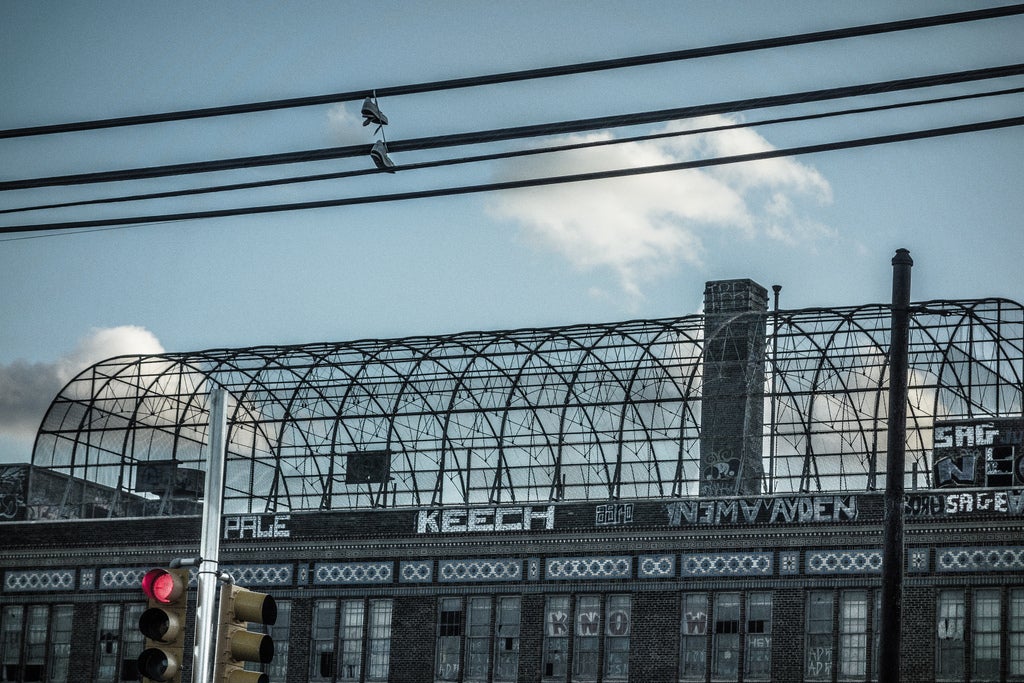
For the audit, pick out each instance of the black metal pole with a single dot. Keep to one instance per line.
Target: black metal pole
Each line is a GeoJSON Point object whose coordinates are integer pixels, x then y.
{"type": "Point", "coordinates": [896, 438]}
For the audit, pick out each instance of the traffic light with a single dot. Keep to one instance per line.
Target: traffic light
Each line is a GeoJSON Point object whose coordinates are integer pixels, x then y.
{"type": "Point", "coordinates": [163, 624]}
{"type": "Point", "coordinates": [235, 644]}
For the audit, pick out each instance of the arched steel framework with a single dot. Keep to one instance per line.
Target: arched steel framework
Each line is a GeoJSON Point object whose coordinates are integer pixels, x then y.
{"type": "Point", "coordinates": [587, 412]}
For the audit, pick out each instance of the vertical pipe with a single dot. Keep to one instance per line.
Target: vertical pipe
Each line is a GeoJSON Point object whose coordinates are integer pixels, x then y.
{"type": "Point", "coordinates": [213, 503]}
{"type": "Point", "coordinates": [775, 367]}
{"type": "Point", "coordinates": [892, 532]}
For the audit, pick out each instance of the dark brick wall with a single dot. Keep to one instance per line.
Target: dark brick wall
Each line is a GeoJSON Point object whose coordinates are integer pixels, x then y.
{"type": "Point", "coordinates": [788, 634]}
{"type": "Point", "coordinates": [83, 650]}
{"type": "Point", "coordinates": [412, 639]}
{"type": "Point", "coordinates": [530, 638]}
{"type": "Point", "coordinates": [917, 647]}
{"type": "Point", "coordinates": [299, 651]}
{"type": "Point", "coordinates": [656, 629]}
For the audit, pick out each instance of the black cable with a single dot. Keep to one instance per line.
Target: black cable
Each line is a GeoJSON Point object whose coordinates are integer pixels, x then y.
{"type": "Point", "coordinates": [510, 154]}
{"type": "Point", "coordinates": [530, 182]}
{"type": "Point", "coordinates": [535, 130]}
{"type": "Point", "coordinates": [529, 74]}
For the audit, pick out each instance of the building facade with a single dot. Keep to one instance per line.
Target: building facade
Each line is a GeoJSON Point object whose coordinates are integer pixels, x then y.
{"type": "Point", "coordinates": [645, 501]}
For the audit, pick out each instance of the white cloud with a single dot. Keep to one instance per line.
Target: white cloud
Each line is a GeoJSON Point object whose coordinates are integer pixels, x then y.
{"type": "Point", "coordinates": [642, 227]}
{"type": "Point", "coordinates": [26, 389]}
{"type": "Point", "coordinates": [345, 125]}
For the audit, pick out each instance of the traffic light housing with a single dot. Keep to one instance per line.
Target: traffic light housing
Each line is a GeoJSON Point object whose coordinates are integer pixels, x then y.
{"type": "Point", "coordinates": [236, 645]}
{"type": "Point", "coordinates": [163, 624]}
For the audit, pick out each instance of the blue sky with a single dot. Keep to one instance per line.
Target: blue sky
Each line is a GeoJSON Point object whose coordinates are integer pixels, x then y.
{"type": "Point", "coordinates": [823, 226]}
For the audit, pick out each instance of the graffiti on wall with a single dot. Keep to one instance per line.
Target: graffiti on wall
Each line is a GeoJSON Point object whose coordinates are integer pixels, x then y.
{"type": "Point", "coordinates": [986, 453]}
{"type": "Point", "coordinates": [256, 526]}
{"type": "Point", "coordinates": [612, 514]}
{"type": "Point", "coordinates": [781, 510]}
{"type": "Point", "coordinates": [12, 493]}
{"type": "Point", "coordinates": [457, 520]}
{"type": "Point", "coordinates": [941, 504]}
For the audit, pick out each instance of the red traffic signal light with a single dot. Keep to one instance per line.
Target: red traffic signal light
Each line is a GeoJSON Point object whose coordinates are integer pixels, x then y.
{"type": "Point", "coordinates": [163, 586]}
{"type": "Point", "coordinates": [235, 644]}
{"type": "Point", "coordinates": [163, 624]}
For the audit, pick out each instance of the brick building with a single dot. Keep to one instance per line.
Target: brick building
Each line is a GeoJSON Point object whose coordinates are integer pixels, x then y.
{"type": "Point", "coordinates": [690, 499]}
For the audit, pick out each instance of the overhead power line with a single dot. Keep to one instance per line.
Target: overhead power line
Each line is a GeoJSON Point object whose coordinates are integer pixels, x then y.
{"type": "Point", "coordinates": [518, 132]}
{"type": "Point", "coordinates": [526, 183]}
{"type": "Point", "coordinates": [337, 175]}
{"type": "Point", "coordinates": [528, 74]}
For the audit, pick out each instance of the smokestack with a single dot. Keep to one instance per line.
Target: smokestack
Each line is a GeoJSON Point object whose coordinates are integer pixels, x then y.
{"type": "Point", "coordinates": [732, 407]}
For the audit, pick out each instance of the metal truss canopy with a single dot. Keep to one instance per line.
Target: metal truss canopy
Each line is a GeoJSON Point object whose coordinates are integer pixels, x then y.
{"type": "Point", "coordinates": [588, 412]}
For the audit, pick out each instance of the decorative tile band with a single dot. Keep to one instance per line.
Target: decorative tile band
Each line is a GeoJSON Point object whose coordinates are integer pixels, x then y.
{"type": "Point", "coordinates": [657, 566]}
{"type": "Point", "coordinates": [917, 559]}
{"type": "Point", "coordinates": [40, 580]}
{"type": "Point", "coordinates": [130, 578]}
{"type": "Point", "coordinates": [416, 572]}
{"type": "Point", "coordinates": [261, 574]}
{"type": "Point", "coordinates": [789, 562]}
{"type": "Point", "coordinates": [352, 573]}
{"type": "Point", "coordinates": [991, 559]}
{"type": "Point", "coordinates": [726, 564]}
{"type": "Point", "coordinates": [844, 562]}
{"type": "Point", "coordinates": [480, 570]}
{"type": "Point", "coordinates": [617, 567]}
{"type": "Point", "coordinates": [121, 578]}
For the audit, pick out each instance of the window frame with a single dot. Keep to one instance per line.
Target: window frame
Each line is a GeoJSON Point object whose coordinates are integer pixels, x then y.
{"type": "Point", "coordinates": [986, 633]}
{"type": "Point", "coordinates": [820, 637]}
{"type": "Point", "coordinates": [615, 662]}
{"type": "Point", "coordinates": [951, 619]}
{"type": "Point", "coordinates": [451, 619]}
{"type": "Point", "coordinates": [556, 643]}
{"type": "Point", "coordinates": [506, 633]}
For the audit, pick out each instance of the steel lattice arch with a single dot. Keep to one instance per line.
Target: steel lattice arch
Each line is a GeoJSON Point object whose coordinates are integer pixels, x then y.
{"type": "Point", "coordinates": [585, 412]}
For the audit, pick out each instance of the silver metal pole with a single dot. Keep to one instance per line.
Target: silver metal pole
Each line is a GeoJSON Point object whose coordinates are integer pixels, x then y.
{"type": "Point", "coordinates": [209, 567]}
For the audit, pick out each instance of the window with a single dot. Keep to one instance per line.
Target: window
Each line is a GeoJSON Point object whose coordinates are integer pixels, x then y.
{"type": "Point", "coordinates": [11, 643]}
{"type": "Point", "coordinates": [876, 644]}
{"type": "Point", "coordinates": [363, 652]}
{"type": "Point", "coordinates": [587, 637]}
{"type": "Point", "coordinates": [616, 638]}
{"type": "Point", "coordinates": [379, 665]}
{"type": "Point", "coordinates": [818, 650]}
{"type": "Point", "coordinates": [321, 642]}
{"type": "Point", "coordinates": [506, 640]}
{"type": "Point", "coordinates": [108, 666]}
{"type": "Point", "coordinates": [949, 643]}
{"type": "Point", "coordinates": [694, 638]}
{"type": "Point", "coordinates": [853, 634]}
{"type": "Point", "coordinates": [1015, 637]}
{"type": "Point", "coordinates": [556, 638]}
{"type": "Point", "coordinates": [280, 633]}
{"type": "Point", "coordinates": [132, 641]}
{"type": "Point", "coordinates": [985, 615]}
{"type": "Point", "coordinates": [60, 644]}
{"type": "Point", "coordinates": [737, 628]}
{"type": "Point", "coordinates": [725, 639]}
{"type": "Point", "coordinates": [35, 643]}
{"type": "Point", "coordinates": [758, 660]}
{"type": "Point", "coordinates": [449, 639]}
{"type": "Point", "coordinates": [478, 639]}
{"type": "Point", "coordinates": [350, 641]}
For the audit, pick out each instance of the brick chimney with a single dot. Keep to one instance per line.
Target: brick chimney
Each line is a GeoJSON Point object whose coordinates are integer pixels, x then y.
{"type": "Point", "coordinates": [732, 407]}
